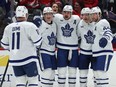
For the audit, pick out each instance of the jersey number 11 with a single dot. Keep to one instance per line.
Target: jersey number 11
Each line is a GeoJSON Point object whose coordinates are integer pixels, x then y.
{"type": "Point", "coordinates": [15, 40]}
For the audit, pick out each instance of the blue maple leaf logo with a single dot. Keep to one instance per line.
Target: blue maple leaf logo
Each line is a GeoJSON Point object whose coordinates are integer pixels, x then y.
{"type": "Point", "coordinates": [67, 30]}
{"type": "Point", "coordinates": [89, 37]}
{"type": "Point", "coordinates": [52, 39]}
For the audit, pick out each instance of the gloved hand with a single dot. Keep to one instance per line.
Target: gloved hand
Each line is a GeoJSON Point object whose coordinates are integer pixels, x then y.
{"type": "Point", "coordinates": [103, 42]}
{"type": "Point", "coordinates": [37, 21]}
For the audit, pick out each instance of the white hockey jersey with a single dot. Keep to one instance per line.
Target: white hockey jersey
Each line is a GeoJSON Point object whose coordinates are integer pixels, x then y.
{"type": "Point", "coordinates": [102, 29]}
{"type": "Point", "coordinates": [21, 38]}
{"type": "Point", "coordinates": [48, 33]}
{"type": "Point", "coordinates": [85, 32]}
{"type": "Point", "coordinates": [67, 31]}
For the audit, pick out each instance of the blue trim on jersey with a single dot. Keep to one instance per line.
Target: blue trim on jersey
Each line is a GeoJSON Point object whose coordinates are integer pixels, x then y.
{"type": "Point", "coordinates": [75, 45]}
{"type": "Point", "coordinates": [85, 50]}
{"type": "Point", "coordinates": [47, 83]}
{"type": "Point", "coordinates": [38, 41]}
{"type": "Point", "coordinates": [21, 85]}
{"type": "Point", "coordinates": [46, 79]}
{"type": "Point", "coordinates": [4, 44]}
{"type": "Point", "coordinates": [102, 79]}
{"type": "Point", "coordinates": [61, 82]}
{"type": "Point", "coordinates": [23, 60]}
{"type": "Point", "coordinates": [71, 77]}
{"type": "Point", "coordinates": [83, 77]}
{"type": "Point", "coordinates": [72, 82]}
{"type": "Point", "coordinates": [102, 83]}
{"type": "Point", "coordinates": [61, 78]}
{"type": "Point", "coordinates": [33, 85]}
{"type": "Point", "coordinates": [82, 82]}
{"type": "Point", "coordinates": [47, 50]}
{"type": "Point", "coordinates": [103, 51]}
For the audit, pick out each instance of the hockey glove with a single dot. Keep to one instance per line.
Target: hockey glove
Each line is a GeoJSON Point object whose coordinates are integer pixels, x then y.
{"type": "Point", "coordinates": [103, 42]}
{"type": "Point", "coordinates": [37, 21]}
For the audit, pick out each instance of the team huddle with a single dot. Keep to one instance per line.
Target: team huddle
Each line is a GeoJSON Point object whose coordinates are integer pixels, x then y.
{"type": "Point", "coordinates": [81, 43]}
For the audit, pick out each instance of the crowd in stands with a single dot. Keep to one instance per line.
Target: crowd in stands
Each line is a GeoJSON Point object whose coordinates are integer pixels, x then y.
{"type": "Point", "coordinates": [35, 7]}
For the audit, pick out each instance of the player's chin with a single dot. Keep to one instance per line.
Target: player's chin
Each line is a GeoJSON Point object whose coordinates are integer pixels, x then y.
{"type": "Point", "coordinates": [66, 18]}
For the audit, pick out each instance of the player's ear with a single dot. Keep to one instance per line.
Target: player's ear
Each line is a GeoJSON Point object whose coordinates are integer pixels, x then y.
{"type": "Point", "coordinates": [27, 15]}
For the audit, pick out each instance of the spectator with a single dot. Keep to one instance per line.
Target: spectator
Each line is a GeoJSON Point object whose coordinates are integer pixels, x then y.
{"type": "Point", "coordinates": [45, 3]}
{"type": "Point", "coordinates": [88, 3]}
{"type": "Point", "coordinates": [5, 4]}
{"type": "Point", "coordinates": [29, 3]}
{"type": "Point", "coordinates": [77, 9]}
{"type": "Point", "coordinates": [111, 17]}
{"type": "Point", "coordinates": [57, 7]}
{"type": "Point", "coordinates": [69, 2]}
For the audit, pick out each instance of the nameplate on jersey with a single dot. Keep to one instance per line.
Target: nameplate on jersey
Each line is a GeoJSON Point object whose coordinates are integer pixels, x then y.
{"type": "Point", "coordinates": [15, 28]}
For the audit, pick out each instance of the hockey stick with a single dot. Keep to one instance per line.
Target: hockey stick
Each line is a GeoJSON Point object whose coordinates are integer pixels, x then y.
{"type": "Point", "coordinates": [39, 60]}
{"type": "Point", "coordinates": [4, 74]}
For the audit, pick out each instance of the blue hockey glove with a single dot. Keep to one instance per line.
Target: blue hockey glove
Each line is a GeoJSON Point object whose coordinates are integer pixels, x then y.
{"type": "Point", "coordinates": [103, 42]}
{"type": "Point", "coordinates": [37, 21]}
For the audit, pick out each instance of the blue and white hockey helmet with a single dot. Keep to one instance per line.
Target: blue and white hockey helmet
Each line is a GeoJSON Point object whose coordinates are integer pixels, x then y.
{"type": "Point", "coordinates": [96, 10]}
{"type": "Point", "coordinates": [47, 10]}
{"type": "Point", "coordinates": [86, 11]}
{"type": "Point", "coordinates": [68, 8]}
{"type": "Point", "coordinates": [21, 11]}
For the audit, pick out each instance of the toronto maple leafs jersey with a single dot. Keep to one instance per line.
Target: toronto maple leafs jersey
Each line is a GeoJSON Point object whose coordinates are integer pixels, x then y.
{"type": "Point", "coordinates": [21, 38]}
{"type": "Point", "coordinates": [67, 31]}
{"type": "Point", "coordinates": [102, 29]}
{"type": "Point", "coordinates": [48, 33]}
{"type": "Point", "coordinates": [85, 32]}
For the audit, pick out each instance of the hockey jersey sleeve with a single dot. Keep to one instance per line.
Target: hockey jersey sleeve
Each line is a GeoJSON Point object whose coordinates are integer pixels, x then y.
{"type": "Point", "coordinates": [35, 35]}
{"type": "Point", "coordinates": [5, 40]}
{"type": "Point", "coordinates": [105, 31]}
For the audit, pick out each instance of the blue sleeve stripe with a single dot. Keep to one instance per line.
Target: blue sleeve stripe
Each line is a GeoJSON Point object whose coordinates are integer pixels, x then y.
{"type": "Point", "coordinates": [108, 33]}
{"type": "Point", "coordinates": [4, 44]}
{"type": "Point", "coordinates": [23, 60]}
{"type": "Point", "coordinates": [38, 41]}
{"type": "Point", "coordinates": [75, 45]}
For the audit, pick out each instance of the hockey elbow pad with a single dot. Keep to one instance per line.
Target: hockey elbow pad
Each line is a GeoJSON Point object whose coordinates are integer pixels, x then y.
{"type": "Point", "coordinates": [103, 42]}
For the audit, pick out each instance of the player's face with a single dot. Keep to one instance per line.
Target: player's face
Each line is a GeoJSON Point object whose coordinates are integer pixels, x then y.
{"type": "Point", "coordinates": [95, 17]}
{"type": "Point", "coordinates": [66, 15]}
{"type": "Point", "coordinates": [55, 8]}
{"type": "Point", "coordinates": [48, 17]}
{"type": "Point", "coordinates": [86, 17]}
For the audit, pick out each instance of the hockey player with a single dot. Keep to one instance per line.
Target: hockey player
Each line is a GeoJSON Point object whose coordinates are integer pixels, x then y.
{"type": "Point", "coordinates": [85, 32]}
{"type": "Point", "coordinates": [101, 48]}
{"type": "Point", "coordinates": [67, 43]}
{"type": "Point", "coordinates": [47, 50]}
{"type": "Point", "coordinates": [21, 39]}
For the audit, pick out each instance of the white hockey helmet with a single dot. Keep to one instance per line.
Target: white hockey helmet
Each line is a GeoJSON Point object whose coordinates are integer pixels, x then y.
{"type": "Point", "coordinates": [96, 10]}
{"type": "Point", "coordinates": [68, 8]}
{"type": "Point", "coordinates": [47, 10]}
{"type": "Point", "coordinates": [86, 11]}
{"type": "Point", "coordinates": [21, 11]}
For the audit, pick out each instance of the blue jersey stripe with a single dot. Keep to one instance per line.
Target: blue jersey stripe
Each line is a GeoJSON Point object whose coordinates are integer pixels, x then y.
{"type": "Point", "coordinates": [23, 60]}
{"type": "Point", "coordinates": [103, 51]}
{"type": "Point", "coordinates": [85, 50]}
{"type": "Point", "coordinates": [75, 45]}
{"type": "Point", "coordinates": [47, 50]}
